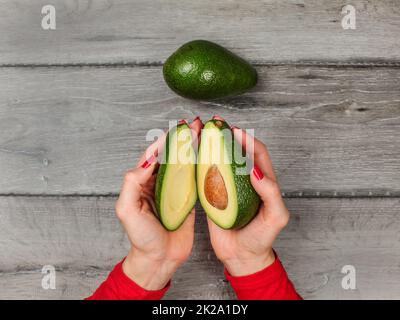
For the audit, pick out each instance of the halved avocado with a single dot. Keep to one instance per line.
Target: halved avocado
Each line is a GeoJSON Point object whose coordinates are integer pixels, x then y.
{"type": "Point", "coordinates": [223, 184]}
{"type": "Point", "coordinates": [175, 192]}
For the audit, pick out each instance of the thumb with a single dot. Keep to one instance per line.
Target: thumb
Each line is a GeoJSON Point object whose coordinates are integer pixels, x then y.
{"type": "Point", "coordinates": [184, 235]}
{"type": "Point", "coordinates": [270, 194]}
{"type": "Point", "coordinates": [134, 180]}
{"type": "Point", "coordinates": [187, 228]}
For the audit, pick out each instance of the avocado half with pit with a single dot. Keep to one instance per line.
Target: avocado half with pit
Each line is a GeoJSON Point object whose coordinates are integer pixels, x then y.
{"type": "Point", "coordinates": [223, 183]}
{"type": "Point", "coordinates": [175, 191]}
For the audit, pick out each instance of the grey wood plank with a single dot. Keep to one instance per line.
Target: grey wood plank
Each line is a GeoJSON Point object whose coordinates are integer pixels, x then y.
{"type": "Point", "coordinates": [76, 130]}
{"type": "Point", "coordinates": [83, 240]}
{"type": "Point", "coordinates": [140, 31]}
{"type": "Point", "coordinates": [77, 285]}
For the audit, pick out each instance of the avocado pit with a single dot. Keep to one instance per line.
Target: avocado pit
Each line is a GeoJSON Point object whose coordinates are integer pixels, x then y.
{"type": "Point", "coordinates": [214, 188]}
{"type": "Point", "coordinates": [219, 124]}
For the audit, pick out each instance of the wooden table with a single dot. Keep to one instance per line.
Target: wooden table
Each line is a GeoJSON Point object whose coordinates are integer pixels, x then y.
{"type": "Point", "coordinates": [76, 104]}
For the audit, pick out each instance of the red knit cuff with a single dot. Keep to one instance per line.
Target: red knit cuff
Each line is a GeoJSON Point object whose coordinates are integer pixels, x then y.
{"type": "Point", "coordinates": [260, 279]}
{"type": "Point", "coordinates": [119, 287]}
{"type": "Point", "coordinates": [131, 290]}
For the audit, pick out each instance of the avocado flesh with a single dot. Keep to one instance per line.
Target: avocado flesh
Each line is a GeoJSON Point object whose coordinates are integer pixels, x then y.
{"type": "Point", "coordinates": [204, 70]}
{"type": "Point", "coordinates": [217, 152]}
{"type": "Point", "coordinates": [176, 192]}
{"type": "Point", "coordinates": [212, 153]}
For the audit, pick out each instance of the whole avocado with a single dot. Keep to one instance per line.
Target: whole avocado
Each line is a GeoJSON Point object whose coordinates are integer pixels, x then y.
{"type": "Point", "coordinates": [203, 70]}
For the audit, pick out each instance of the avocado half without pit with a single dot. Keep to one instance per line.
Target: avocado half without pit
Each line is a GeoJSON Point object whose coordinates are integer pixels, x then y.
{"type": "Point", "coordinates": [224, 187]}
{"type": "Point", "coordinates": [175, 191]}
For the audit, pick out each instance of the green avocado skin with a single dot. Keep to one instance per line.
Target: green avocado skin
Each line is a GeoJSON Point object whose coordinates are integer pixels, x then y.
{"type": "Point", "coordinates": [161, 174]}
{"type": "Point", "coordinates": [248, 199]}
{"type": "Point", "coordinates": [160, 179]}
{"type": "Point", "coordinates": [203, 70]}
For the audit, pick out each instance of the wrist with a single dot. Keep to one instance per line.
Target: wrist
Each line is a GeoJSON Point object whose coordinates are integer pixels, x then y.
{"type": "Point", "coordinates": [238, 267]}
{"type": "Point", "coordinates": [149, 273]}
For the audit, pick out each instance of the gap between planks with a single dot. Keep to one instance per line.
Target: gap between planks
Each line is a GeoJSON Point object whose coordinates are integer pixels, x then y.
{"type": "Point", "coordinates": [359, 194]}
{"type": "Point", "coordinates": [332, 64]}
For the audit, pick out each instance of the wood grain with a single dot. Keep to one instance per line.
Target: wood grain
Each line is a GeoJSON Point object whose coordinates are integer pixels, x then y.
{"type": "Point", "coordinates": [75, 130]}
{"type": "Point", "coordinates": [83, 240]}
{"type": "Point", "coordinates": [143, 32]}
{"type": "Point", "coordinates": [76, 105]}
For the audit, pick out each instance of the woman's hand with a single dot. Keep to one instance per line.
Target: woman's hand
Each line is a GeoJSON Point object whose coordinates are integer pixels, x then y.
{"type": "Point", "coordinates": [249, 250]}
{"type": "Point", "coordinates": [155, 252]}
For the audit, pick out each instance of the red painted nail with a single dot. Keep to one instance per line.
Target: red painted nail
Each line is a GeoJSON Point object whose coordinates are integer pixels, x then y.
{"type": "Point", "coordinates": [148, 162]}
{"type": "Point", "coordinates": [218, 118]}
{"type": "Point", "coordinates": [197, 118]}
{"type": "Point", "coordinates": [183, 121]}
{"type": "Point", "coordinates": [258, 173]}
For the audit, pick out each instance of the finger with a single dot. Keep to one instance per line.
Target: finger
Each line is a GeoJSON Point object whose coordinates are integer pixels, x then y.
{"type": "Point", "coordinates": [150, 185]}
{"type": "Point", "coordinates": [147, 204]}
{"type": "Point", "coordinates": [196, 125]}
{"type": "Point", "coordinates": [215, 230]}
{"type": "Point", "coordinates": [270, 194]}
{"type": "Point", "coordinates": [154, 149]}
{"type": "Point", "coordinates": [257, 151]}
{"type": "Point", "coordinates": [188, 224]}
{"type": "Point", "coordinates": [212, 227]}
{"type": "Point", "coordinates": [134, 181]}
{"type": "Point", "coordinates": [186, 230]}
{"type": "Point", "coordinates": [157, 146]}
{"type": "Point", "coordinates": [218, 118]}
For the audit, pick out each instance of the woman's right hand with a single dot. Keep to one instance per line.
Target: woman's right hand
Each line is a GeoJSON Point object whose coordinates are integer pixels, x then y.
{"type": "Point", "coordinates": [155, 253]}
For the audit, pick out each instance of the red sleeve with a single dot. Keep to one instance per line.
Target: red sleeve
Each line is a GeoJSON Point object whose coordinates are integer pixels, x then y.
{"type": "Point", "coordinates": [271, 283]}
{"type": "Point", "coordinates": [119, 287]}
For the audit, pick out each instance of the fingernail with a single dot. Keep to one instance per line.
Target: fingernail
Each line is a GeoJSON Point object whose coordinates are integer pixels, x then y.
{"type": "Point", "coordinates": [234, 127]}
{"type": "Point", "coordinates": [183, 121]}
{"type": "Point", "coordinates": [218, 118]}
{"type": "Point", "coordinates": [197, 118]}
{"type": "Point", "coordinates": [148, 162]}
{"type": "Point", "coordinates": [258, 173]}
